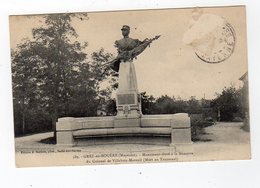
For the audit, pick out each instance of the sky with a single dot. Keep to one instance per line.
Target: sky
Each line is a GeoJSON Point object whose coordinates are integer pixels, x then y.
{"type": "Point", "coordinates": [170, 66]}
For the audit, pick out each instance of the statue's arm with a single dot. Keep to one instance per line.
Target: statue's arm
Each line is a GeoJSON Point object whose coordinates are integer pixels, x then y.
{"type": "Point", "coordinates": [116, 44]}
{"type": "Point", "coordinates": [138, 42]}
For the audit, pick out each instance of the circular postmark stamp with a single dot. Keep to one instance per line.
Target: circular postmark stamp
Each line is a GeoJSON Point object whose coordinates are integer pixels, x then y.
{"type": "Point", "coordinates": [213, 38]}
{"type": "Point", "coordinates": [218, 46]}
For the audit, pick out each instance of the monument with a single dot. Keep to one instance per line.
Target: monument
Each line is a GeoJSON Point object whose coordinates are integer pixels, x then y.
{"type": "Point", "coordinates": [127, 100]}
{"type": "Point", "coordinates": [129, 120]}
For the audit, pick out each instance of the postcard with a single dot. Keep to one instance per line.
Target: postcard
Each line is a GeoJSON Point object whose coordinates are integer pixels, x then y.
{"type": "Point", "coordinates": [134, 86]}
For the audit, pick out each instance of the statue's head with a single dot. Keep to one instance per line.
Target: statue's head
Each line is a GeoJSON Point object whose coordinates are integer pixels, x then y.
{"type": "Point", "coordinates": [125, 30]}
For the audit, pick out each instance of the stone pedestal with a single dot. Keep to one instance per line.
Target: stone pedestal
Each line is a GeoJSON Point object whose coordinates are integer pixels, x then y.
{"type": "Point", "coordinates": [128, 104]}
{"type": "Point", "coordinates": [127, 98]}
{"type": "Point", "coordinates": [129, 121]}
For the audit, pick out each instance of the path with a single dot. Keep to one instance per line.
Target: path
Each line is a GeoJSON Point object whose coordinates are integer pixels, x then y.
{"type": "Point", "coordinates": [227, 141]}
{"type": "Point", "coordinates": [223, 141]}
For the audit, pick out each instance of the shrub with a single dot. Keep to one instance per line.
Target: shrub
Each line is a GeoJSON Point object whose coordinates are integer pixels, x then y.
{"type": "Point", "coordinates": [198, 125]}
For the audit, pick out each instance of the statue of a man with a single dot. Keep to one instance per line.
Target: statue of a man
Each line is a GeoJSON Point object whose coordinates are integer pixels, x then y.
{"type": "Point", "coordinates": [126, 44]}
{"type": "Point", "coordinates": [128, 48]}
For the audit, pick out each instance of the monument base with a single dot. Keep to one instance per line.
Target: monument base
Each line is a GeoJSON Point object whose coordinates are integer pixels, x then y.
{"type": "Point", "coordinates": [70, 131]}
{"type": "Point", "coordinates": [111, 140]}
{"type": "Point", "coordinates": [126, 122]}
{"type": "Point", "coordinates": [129, 121]}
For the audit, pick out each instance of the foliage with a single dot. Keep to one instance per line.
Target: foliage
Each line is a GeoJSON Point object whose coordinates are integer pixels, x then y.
{"type": "Point", "coordinates": [147, 103]}
{"type": "Point", "coordinates": [197, 126]}
{"type": "Point", "coordinates": [52, 76]}
{"type": "Point", "coordinates": [228, 104]}
{"type": "Point", "coordinates": [169, 105]}
{"type": "Point", "coordinates": [111, 107]}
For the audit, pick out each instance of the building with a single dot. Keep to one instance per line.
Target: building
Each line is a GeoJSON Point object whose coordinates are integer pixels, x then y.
{"type": "Point", "coordinates": [245, 102]}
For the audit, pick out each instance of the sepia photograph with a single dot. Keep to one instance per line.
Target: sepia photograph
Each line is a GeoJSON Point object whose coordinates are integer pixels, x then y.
{"type": "Point", "coordinates": [128, 87]}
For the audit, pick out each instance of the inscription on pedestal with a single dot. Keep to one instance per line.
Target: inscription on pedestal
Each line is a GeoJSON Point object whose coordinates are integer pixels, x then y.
{"type": "Point", "coordinates": [126, 99]}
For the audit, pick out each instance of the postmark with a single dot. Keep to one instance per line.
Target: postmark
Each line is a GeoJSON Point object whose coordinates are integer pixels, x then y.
{"type": "Point", "coordinates": [212, 37]}
{"type": "Point", "coordinates": [218, 48]}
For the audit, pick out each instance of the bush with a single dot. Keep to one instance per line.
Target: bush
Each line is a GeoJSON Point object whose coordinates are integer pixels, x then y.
{"type": "Point", "coordinates": [198, 125]}
{"type": "Point", "coordinates": [36, 122]}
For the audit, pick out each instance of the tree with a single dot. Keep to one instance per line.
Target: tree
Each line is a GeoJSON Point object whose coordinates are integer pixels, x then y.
{"type": "Point", "coordinates": [228, 103]}
{"type": "Point", "coordinates": [194, 106]}
{"type": "Point", "coordinates": [181, 105]}
{"type": "Point", "coordinates": [165, 105]}
{"type": "Point", "coordinates": [61, 58]}
{"type": "Point", "coordinates": [51, 72]}
{"type": "Point", "coordinates": [147, 103]}
{"type": "Point", "coordinates": [88, 93]}
{"type": "Point", "coordinates": [111, 107]}
{"type": "Point", "coordinates": [25, 66]}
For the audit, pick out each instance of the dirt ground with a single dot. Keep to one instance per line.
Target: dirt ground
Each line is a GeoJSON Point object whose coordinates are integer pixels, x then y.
{"type": "Point", "coordinates": [224, 141]}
